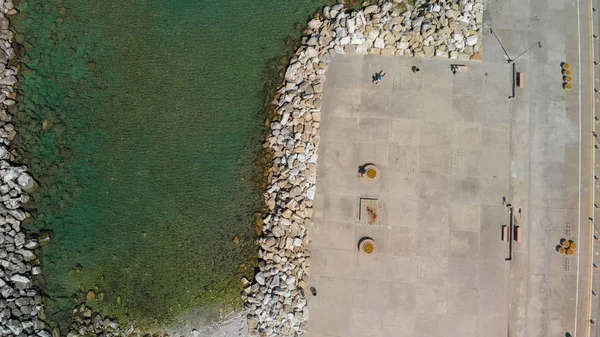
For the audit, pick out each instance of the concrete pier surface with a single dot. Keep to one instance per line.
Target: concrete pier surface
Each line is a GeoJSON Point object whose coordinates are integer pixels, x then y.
{"type": "Point", "coordinates": [455, 153]}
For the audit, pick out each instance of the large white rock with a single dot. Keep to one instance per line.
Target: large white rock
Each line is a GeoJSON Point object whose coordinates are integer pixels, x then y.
{"type": "Point", "coordinates": [285, 118]}
{"type": "Point", "coordinates": [373, 34]}
{"type": "Point", "coordinates": [44, 333]}
{"type": "Point", "coordinates": [361, 49]}
{"type": "Point", "coordinates": [379, 43]}
{"type": "Point", "coordinates": [14, 326]}
{"type": "Point", "coordinates": [4, 153]}
{"type": "Point", "coordinates": [305, 314]}
{"type": "Point", "coordinates": [290, 280]}
{"type": "Point", "coordinates": [260, 278]}
{"type": "Point", "coordinates": [18, 214]}
{"type": "Point", "coordinates": [341, 32]}
{"type": "Point", "coordinates": [314, 23]}
{"type": "Point", "coordinates": [337, 7]}
{"type": "Point", "coordinates": [290, 73]}
{"type": "Point", "coordinates": [386, 7]}
{"type": "Point", "coordinates": [471, 40]}
{"type": "Point", "coordinates": [418, 21]}
{"type": "Point", "coordinates": [350, 25]}
{"type": "Point", "coordinates": [403, 45]}
{"type": "Point", "coordinates": [32, 244]}
{"type": "Point", "coordinates": [26, 182]}
{"type": "Point", "coordinates": [311, 52]}
{"type": "Point", "coordinates": [360, 19]}
{"type": "Point", "coordinates": [310, 193]}
{"type": "Point", "coordinates": [313, 41]}
{"type": "Point", "coordinates": [20, 279]}
{"type": "Point", "coordinates": [11, 174]}
{"type": "Point", "coordinates": [357, 40]}
{"type": "Point", "coordinates": [8, 80]}
{"type": "Point", "coordinates": [27, 254]}
{"type": "Point", "coordinates": [371, 9]}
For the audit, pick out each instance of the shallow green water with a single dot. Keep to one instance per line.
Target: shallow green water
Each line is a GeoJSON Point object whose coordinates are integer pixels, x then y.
{"type": "Point", "coordinates": [142, 121]}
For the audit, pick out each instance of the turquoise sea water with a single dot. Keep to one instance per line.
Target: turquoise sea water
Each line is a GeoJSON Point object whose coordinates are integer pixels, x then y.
{"type": "Point", "coordinates": [142, 121]}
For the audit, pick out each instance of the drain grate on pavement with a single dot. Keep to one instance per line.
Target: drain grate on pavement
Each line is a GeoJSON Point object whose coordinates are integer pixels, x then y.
{"type": "Point", "coordinates": [370, 211]}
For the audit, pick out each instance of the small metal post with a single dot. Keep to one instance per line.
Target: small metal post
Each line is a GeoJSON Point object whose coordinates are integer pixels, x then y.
{"type": "Point", "coordinates": [514, 81]}
{"type": "Point", "coordinates": [510, 233]}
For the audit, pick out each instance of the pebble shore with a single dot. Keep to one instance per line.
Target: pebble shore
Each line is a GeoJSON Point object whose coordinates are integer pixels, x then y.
{"type": "Point", "coordinates": [276, 300]}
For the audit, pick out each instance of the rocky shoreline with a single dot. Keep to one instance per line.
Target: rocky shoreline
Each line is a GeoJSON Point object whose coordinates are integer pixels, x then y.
{"type": "Point", "coordinates": [20, 300]}
{"type": "Point", "coordinates": [277, 297]}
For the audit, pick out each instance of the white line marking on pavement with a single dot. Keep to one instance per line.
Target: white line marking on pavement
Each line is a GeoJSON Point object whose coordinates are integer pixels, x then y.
{"type": "Point", "coordinates": [579, 197]}
{"type": "Point", "coordinates": [592, 168]}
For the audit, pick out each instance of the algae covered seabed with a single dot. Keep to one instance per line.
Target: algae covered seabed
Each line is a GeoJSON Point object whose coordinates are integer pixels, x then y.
{"type": "Point", "coordinates": [142, 121]}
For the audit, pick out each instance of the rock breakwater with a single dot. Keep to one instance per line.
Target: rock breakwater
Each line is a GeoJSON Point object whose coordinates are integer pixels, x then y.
{"type": "Point", "coordinates": [20, 299]}
{"type": "Point", "coordinates": [276, 300]}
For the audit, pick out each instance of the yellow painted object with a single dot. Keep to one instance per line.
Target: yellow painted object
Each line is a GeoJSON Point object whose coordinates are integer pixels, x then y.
{"type": "Point", "coordinates": [570, 251]}
{"type": "Point", "coordinates": [562, 250]}
{"type": "Point", "coordinates": [567, 86]}
{"type": "Point", "coordinates": [573, 246]}
{"type": "Point", "coordinates": [567, 244]}
{"type": "Point", "coordinates": [567, 72]}
{"type": "Point", "coordinates": [371, 173]}
{"type": "Point", "coordinates": [566, 66]}
{"type": "Point", "coordinates": [567, 79]}
{"type": "Point", "coordinates": [367, 247]}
